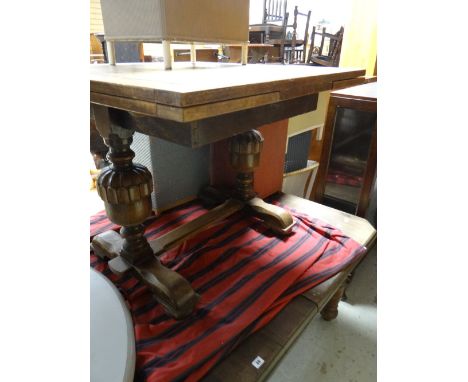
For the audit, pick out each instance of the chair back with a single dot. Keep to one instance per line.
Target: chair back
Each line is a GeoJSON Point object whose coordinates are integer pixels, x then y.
{"type": "Point", "coordinates": [274, 11]}
{"type": "Point", "coordinates": [294, 55]}
{"type": "Point", "coordinates": [316, 53]}
{"type": "Point", "coordinates": [96, 53]}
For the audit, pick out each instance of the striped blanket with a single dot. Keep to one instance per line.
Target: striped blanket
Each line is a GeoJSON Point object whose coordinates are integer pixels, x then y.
{"type": "Point", "coordinates": [245, 275]}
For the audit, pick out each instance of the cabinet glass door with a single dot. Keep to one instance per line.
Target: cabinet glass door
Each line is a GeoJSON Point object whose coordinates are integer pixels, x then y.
{"type": "Point", "coordinates": [352, 137]}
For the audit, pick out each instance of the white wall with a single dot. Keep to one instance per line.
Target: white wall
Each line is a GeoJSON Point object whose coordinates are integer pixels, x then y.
{"type": "Point", "coordinates": [95, 24]}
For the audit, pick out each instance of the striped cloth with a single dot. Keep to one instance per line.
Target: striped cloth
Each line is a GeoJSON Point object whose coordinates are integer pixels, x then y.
{"type": "Point", "coordinates": [245, 275]}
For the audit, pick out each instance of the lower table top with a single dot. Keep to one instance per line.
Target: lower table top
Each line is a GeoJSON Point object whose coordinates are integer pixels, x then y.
{"type": "Point", "coordinates": [273, 341]}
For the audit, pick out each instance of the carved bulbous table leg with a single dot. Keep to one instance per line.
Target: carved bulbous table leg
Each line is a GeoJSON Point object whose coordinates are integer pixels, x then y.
{"type": "Point", "coordinates": [125, 187]}
{"type": "Point", "coordinates": [330, 311]}
{"type": "Point", "coordinates": [245, 150]}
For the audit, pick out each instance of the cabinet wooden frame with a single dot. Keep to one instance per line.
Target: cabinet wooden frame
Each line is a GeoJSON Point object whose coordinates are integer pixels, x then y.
{"type": "Point", "coordinates": [359, 104]}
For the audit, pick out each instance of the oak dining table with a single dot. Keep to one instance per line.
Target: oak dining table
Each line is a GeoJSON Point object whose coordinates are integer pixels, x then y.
{"type": "Point", "coordinates": [193, 104]}
{"type": "Point", "coordinates": [197, 104]}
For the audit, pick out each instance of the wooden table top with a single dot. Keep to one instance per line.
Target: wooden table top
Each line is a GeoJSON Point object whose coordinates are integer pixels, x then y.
{"type": "Point", "coordinates": [264, 27]}
{"type": "Point", "coordinates": [189, 93]}
{"type": "Point", "coordinates": [277, 41]}
{"type": "Point", "coordinates": [252, 45]}
{"type": "Point", "coordinates": [353, 226]}
{"type": "Point", "coordinates": [365, 92]}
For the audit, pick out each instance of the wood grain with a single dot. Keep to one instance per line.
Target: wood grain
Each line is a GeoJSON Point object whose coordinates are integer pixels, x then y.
{"type": "Point", "coordinates": [367, 91]}
{"type": "Point", "coordinates": [206, 83]}
{"type": "Point", "coordinates": [353, 226]}
{"type": "Point", "coordinates": [199, 112]}
{"type": "Point", "coordinates": [213, 129]}
{"type": "Point", "coordinates": [343, 84]}
{"type": "Point", "coordinates": [268, 176]}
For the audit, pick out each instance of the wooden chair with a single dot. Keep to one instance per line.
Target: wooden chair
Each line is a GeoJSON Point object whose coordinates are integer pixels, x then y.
{"type": "Point", "coordinates": [316, 55]}
{"type": "Point", "coordinates": [294, 55]}
{"type": "Point", "coordinates": [96, 53]}
{"type": "Point", "coordinates": [274, 11]}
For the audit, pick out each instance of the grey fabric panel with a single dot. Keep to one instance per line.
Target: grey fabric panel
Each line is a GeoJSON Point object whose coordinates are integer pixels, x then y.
{"type": "Point", "coordinates": [142, 149]}
{"type": "Point", "coordinates": [178, 172]}
{"type": "Point", "coordinates": [124, 18]}
{"type": "Point", "coordinates": [127, 52]}
{"type": "Point", "coordinates": [177, 20]}
{"type": "Point", "coordinates": [298, 152]}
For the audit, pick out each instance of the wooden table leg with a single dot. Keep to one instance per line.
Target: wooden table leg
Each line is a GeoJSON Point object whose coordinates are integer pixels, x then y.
{"type": "Point", "coordinates": [330, 311]}
{"type": "Point", "coordinates": [125, 188]}
{"type": "Point", "coordinates": [245, 150]}
{"type": "Point", "coordinates": [97, 147]}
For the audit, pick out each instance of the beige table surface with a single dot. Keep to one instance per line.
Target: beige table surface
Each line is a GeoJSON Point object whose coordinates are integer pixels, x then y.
{"type": "Point", "coordinates": [191, 92]}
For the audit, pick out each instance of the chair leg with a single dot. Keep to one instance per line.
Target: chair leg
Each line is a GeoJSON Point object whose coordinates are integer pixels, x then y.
{"type": "Point", "coordinates": [244, 53]}
{"type": "Point", "coordinates": [167, 54]}
{"type": "Point", "coordinates": [111, 52]}
{"type": "Point", "coordinates": [330, 311]}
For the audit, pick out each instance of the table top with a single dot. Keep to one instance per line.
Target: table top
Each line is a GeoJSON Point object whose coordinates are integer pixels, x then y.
{"type": "Point", "coordinates": [353, 226]}
{"type": "Point", "coordinates": [111, 330]}
{"type": "Point", "coordinates": [277, 41]}
{"type": "Point", "coordinates": [191, 92]}
{"type": "Point", "coordinates": [252, 45]}
{"type": "Point", "coordinates": [365, 92]}
{"type": "Point", "coordinates": [265, 27]}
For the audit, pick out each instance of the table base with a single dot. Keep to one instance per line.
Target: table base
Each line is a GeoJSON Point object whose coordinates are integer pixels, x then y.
{"type": "Point", "coordinates": [126, 187]}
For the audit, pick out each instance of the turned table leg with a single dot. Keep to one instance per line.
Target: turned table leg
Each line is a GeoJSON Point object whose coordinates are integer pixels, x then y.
{"type": "Point", "coordinates": [245, 150]}
{"type": "Point", "coordinates": [330, 311]}
{"type": "Point", "coordinates": [125, 187]}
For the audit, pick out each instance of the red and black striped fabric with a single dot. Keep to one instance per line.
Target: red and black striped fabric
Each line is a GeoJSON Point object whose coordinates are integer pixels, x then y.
{"type": "Point", "coordinates": [245, 276]}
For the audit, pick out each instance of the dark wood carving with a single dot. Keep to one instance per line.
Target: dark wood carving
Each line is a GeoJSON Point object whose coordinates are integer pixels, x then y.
{"type": "Point", "coordinates": [97, 146]}
{"type": "Point", "coordinates": [245, 150]}
{"type": "Point", "coordinates": [125, 188]}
